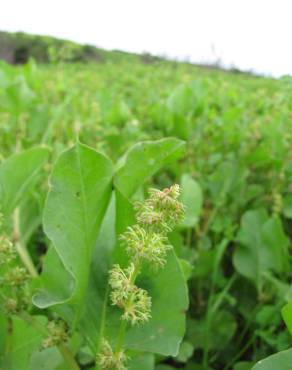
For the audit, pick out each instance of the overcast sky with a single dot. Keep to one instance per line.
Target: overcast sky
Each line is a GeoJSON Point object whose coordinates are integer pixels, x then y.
{"type": "Point", "coordinates": [250, 34]}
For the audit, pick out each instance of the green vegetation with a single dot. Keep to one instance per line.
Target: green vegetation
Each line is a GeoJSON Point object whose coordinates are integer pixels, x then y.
{"type": "Point", "coordinates": [81, 287]}
{"type": "Point", "coordinates": [18, 48]}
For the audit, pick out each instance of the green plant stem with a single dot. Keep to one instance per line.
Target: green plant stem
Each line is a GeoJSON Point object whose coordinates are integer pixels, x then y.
{"type": "Point", "coordinates": [20, 247]}
{"type": "Point", "coordinates": [240, 353]}
{"type": "Point", "coordinates": [212, 307]}
{"type": "Point", "coordinates": [121, 337]}
{"type": "Point", "coordinates": [68, 357]}
{"type": "Point", "coordinates": [248, 323]}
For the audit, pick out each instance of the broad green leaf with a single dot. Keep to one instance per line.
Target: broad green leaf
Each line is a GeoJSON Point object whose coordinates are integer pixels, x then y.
{"type": "Point", "coordinates": [80, 190]}
{"type": "Point", "coordinates": [275, 244]}
{"type": "Point", "coordinates": [17, 175]}
{"type": "Point", "coordinates": [24, 340]}
{"type": "Point", "coordinates": [30, 216]}
{"type": "Point", "coordinates": [279, 361]}
{"type": "Point", "coordinates": [45, 359]}
{"type": "Point", "coordinates": [192, 198]}
{"type": "Point", "coordinates": [262, 246]}
{"type": "Point", "coordinates": [143, 160]}
{"type": "Point", "coordinates": [94, 319]}
{"type": "Point", "coordinates": [287, 316]}
{"type": "Point", "coordinates": [141, 361]}
{"type": "Point", "coordinates": [49, 290]}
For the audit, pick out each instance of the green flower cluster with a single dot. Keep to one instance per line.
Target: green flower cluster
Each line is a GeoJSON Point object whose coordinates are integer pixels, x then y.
{"type": "Point", "coordinates": [14, 292]}
{"type": "Point", "coordinates": [57, 333]}
{"type": "Point", "coordinates": [107, 359]}
{"type": "Point", "coordinates": [145, 242]}
{"type": "Point", "coordinates": [7, 250]}
{"type": "Point", "coordinates": [135, 301]}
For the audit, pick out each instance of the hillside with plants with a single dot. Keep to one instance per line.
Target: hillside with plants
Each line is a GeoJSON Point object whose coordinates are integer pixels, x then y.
{"type": "Point", "coordinates": [19, 47]}
{"type": "Point", "coordinates": [146, 217]}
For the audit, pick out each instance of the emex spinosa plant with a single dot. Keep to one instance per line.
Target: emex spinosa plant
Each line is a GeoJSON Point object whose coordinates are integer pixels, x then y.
{"type": "Point", "coordinates": [14, 292]}
{"type": "Point", "coordinates": [145, 242]}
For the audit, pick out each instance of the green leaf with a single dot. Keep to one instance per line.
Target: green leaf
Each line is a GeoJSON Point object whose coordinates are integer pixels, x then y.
{"type": "Point", "coordinates": [3, 329]}
{"type": "Point", "coordinates": [17, 175]}
{"type": "Point", "coordinates": [185, 352]}
{"type": "Point", "coordinates": [80, 184]}
{"type": "Point", "coordinates": [243, 365]}
{"type": "Point", "coordinates": [287, 206]}
{"type": "Point", "coordinates": [24, 340]}
{"type": "Point", "coordinates": [287, 316]}
{"type": "Point", "coordinates": [279, 361]}
{"type": "Point", "coordinates": [45, 359]}
{"type": "Point", "coordinates": [263, 246]}
{"type": "Point", "coordinates": [143, 160]}
{"type": "Point", "coordinates": [55, 285]}
{"type": "Point", "coordinates": [192, 198]}
{"type": "Point", "coordinates": [141, 361]}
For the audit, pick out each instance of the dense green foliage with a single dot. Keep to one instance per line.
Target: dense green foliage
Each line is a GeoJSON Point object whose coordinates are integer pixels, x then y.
{"type": "Point", "coordinates": [225, 138]}
{"type": "Point", "coordinates": [18, 48]}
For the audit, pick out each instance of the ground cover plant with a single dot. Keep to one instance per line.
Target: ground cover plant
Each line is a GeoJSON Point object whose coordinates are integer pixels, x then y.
{"type": "Point", "coordinates": [145, 218]}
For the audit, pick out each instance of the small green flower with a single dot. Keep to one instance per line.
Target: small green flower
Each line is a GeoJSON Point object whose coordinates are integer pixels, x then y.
{"type": "Point", "coordinates": [145, 245]}
{"type": "Point", "coordinates": [7, 250]}
{"type": "Point", "coordinates": [135, 301]}
{"type": "Point", "coordinates": [166, 202]}
{"type": "Point", "coordinates": [57, 333]}
{"type": "Point", "coordinates": [138, 308]}
{"type": "Point", "coordinates": [11, 306]}
{"type": "Point", "coordinates": [121, 284]}
{"type": "Point", "coordinates": [108, 360]}
{"type": "Point", "coordinates": [17, 276]}
{"type": "Point", "coordinates": [17, 303]}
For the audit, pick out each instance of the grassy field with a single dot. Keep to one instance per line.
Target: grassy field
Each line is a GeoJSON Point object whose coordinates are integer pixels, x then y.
{"type": "Point", "coordinates": [235, 172]}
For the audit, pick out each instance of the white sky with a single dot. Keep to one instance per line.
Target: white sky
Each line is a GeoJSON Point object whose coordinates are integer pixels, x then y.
{"type": "Point", "coordinates": [251, 34]}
